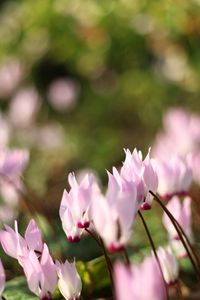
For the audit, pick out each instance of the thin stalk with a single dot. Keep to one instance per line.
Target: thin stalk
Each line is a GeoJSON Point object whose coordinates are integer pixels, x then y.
{"type": "Point", "coordinates": [126, 257]}
{"type": "Point", "coordinates": [154, 251]}
{"type": "Point", "coordinates": [188, 242]}
{"type": "Point", "coordinates": [103, 250]}
{"type": "Point", "coordinates": [106, 257]}
{"type": "Point", "coordinates": [174, 222]}
{"type": "Point", "coordinates": [179, 292]}
{"type": "Point", "coordinates": [94, 237]}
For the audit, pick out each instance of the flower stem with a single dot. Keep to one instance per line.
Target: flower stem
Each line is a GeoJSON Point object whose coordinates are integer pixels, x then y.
{"type": "Point", "coordinates": [189, 244]}
{"type": "Point", "coordinates": [154, 251]}
{"type": "Point", "coordinates": [181, 234]}
{"type": "Point", "coordinates": [179, 291]}
{"type": "Point", "coordinates": [126, 257]}
{"type": "Point", "coordinates": [107, 259]}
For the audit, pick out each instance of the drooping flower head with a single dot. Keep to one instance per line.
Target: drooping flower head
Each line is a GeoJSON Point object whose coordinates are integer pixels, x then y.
{"type": "Point", "coordinates": [69, 281]}
{"type": "Point", "coordinates": [182, 213]}
{"type": "Point", "coordinates": [175, 177]}
{"type": "Point", "coordinates": [75, 205]}
{"type": "Point", "coordinates": [40, 273]}
{"type": "Point", "coordinates": [139, 282]}
{"type": "Point", "coordinates": [16, 246]}
{"type": "Point", "coordinates": [12, 165]}
{"type": "Point", "coordinates": [113, 214]}
{"type": "Point", "coordinates": [177, 121]}
{"type": "Point", "coordinates": [169, 265]}
{"type": "Point", "coordinates": [142, 174]}
{"type": "Point", "coordinates": [13, 162]}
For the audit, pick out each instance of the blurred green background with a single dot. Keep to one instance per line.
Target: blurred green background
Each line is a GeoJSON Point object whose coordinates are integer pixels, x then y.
{"type": "Point", "coordinates": [130, 60]}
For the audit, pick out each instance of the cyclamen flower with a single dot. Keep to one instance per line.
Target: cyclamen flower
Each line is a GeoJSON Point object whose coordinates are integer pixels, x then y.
{"type": "Point", "coordinates": [12, 165]}
{"type": "Point", "coordinates": [40, 274]}
{"type": "Point", "coordinates": [11, 74]}
{"type": "Point", "coordinates": [172, 140]}
{"type": "Point", "coordinates": [142, 174]}
{"type": "Point", "coordinates": [2, 279]}
{"type": "Point", "coordinates": [24, 107]}
{"type": "Point", "coordinates": [63, 94]}
{"type": "Point", "coordinates": [139, 282]}
{"type": "Point", "coordinates": [114, 214]}
{"type": "Point", "coordinates": [16, 246]}
{"type": "Point", "coordinates": [75, 206]}
{"type": "Point", "coordinates": [169, 265]}
{"type": "Point", "coordinates": [178, 248]}
{"type": "Point", "coordinates": [175, 177]}
{"type": "Point", "coordinates": [13, 162]}
{"type": "Point", "coordinates": [69, 281]}
{"type": "Point", "coordinates": [182, 213]}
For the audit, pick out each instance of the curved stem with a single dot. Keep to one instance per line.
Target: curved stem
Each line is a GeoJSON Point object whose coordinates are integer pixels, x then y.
{"type": "Point", "coordinates": [103, 250]}
{"type": "Point", "coordinates": [107, 258]}
{"type": "Point", "coordinates": [94, 237]}
{"type": "Point", "coordinates": [179, 291]}
{"type": "Point", "coordinates": [154, 251]}
{"type": "Point", "coordinates": [188, 242]}
{"type": "Point", "coordinates": [177, 227]}
{"type": "Point", "coordinates": [126, 257]}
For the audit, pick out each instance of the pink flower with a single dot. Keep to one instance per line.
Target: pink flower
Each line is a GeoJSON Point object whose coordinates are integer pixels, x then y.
{"type": "Point", "coordinates": [140, 282]}
{"type": "Point", "coordinates": [178, 248]}
{"type": "Point", "coordinates": [13, 162]}
{"type": "Point", "coordinates": [75, 206]}
{"type": "Point", "coordinates": [11, 73]}
{"type": "Point", "coordinates": [172, 140]}
{"type": "Point", "coordinates": [63, 94]}
{"type": "Point", "coordinates": [114, 214]}
{"type": "Point", "coordinates": [40, 274]}
{"type": "Point", "coordinates": [24, 107]}
{"type": "Point", "coordinates": [33, 237]}
{"type": "Point", "coordinates": [69, 281]}
{"type": "Point", "coordinates": [2, 279]}
{"type": "Point", "coordinates": [168, 264]}
{"type": "Point", "coordinates": [12, 165]}
{"type": "Point", "coordinates": [175, 177]}
{"type": "Point", "coordinates": [16, 246]}
{"type": "Point", "coordinates": [182, 213]}
{"type": "Point", "coordinates": [142, 174]}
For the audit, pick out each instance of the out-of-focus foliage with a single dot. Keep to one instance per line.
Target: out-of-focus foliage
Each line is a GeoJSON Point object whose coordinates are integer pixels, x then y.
{"type": "Point", "coordinates": [130, 60]}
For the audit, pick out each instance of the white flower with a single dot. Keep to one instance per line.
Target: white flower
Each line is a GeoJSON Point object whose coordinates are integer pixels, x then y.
{"type": "Point", "coordinates": [169, 264]}
{"type": "Point", "coordinates": [69, 281]}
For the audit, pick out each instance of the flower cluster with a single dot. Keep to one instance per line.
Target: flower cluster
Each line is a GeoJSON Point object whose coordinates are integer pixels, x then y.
{"type": "Point", "coordinates": [130, 280]}
{"type": "Point", "coordinates": [39, 267]}
{"type": "Point", "coordinates": [110, 217]}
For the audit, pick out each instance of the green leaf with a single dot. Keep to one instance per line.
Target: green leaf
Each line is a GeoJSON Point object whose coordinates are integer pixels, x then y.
{"type": "Point", "coordinates": [17, 289]}
{"type": "Point", "coordinates": [95, 278]}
